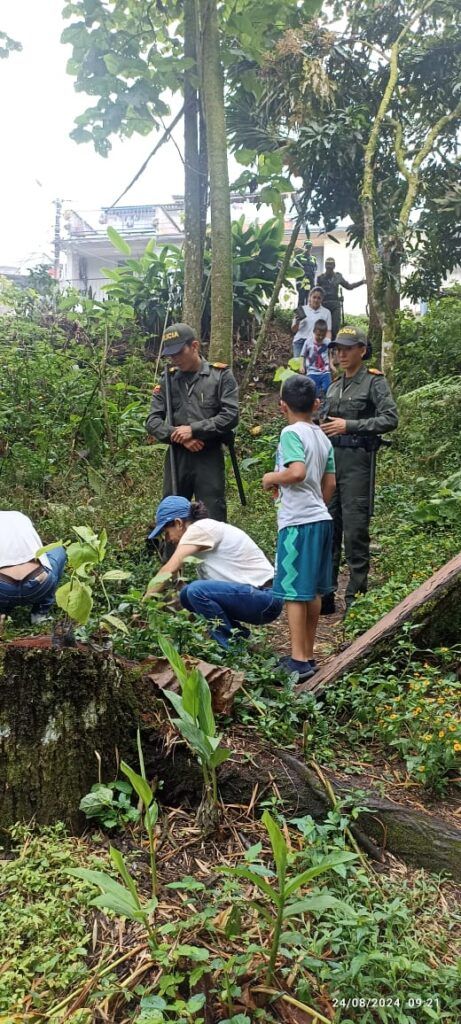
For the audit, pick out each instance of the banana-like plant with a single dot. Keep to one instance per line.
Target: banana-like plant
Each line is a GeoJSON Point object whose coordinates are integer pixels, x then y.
{"type": "Point", "coordinates": [196, 723]}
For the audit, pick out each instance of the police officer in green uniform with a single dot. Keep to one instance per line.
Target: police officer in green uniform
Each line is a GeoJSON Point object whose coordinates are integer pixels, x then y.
{"type": "Point", "coordinates": [204, 399]}
{"type": "Point", "coordinates": [359, 407]}
{"type": "Point", "coordinates": [331, 281]}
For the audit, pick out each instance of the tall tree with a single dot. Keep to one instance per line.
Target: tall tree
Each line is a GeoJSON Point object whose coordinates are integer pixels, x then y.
{"type": "Point", "coordinates": [212, 93]}
{"type": "Point", "coordinates": [193, 227]}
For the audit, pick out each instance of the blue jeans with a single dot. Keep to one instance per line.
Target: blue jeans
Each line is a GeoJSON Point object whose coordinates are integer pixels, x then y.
{"type": "Point", "coordinates": [38, 594]}
{"type": "Point", "coordinates": [298, 347]}
{"type": "Point", "coordinates": [230, 604]}
{"type": "Point", "coordinates": [322, 380]}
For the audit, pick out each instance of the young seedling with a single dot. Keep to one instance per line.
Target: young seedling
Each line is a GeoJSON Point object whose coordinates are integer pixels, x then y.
{"type": "Point", "coordinates": [197, 726]}
{"type": "Point", "coordinates": [142, 788]}
{"type": "Point", "coordinates": [282, 889]}
{"type": "Point", "coordinates": [122, 899]}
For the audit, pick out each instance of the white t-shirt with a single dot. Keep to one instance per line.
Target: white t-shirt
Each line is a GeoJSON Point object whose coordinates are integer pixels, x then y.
{"type": "Point", "coordinates": [19, 540]}
{"type": "Point", "coordinates": [228, 554]}
{"type": "Point", "coordinates": [306, 328]}
{"type": "Point", "coordinates": [303, 502]}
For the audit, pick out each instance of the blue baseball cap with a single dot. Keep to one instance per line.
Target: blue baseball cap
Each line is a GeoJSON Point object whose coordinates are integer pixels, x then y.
{"type": "Point", "coordinates": [171, 508]}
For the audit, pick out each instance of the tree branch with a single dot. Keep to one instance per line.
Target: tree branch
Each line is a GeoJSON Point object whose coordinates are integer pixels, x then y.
{"type": "Point", "coordinates": [413, 174]}
{"type": "Point", "coordinates": [155, 150]}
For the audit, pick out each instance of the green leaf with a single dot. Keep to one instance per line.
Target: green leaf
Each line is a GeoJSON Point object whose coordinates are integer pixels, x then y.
{"type": "Point", "coordinates": [81, 554]}
{"type": "Point", "coordinates": [195, 738]}
{"type": "Point", "coordinates": [115, 621]}
{"type": "Point", "coordinates": [87, 535]}
{"type": "Point", "coordinates": [219, 756]}
{"type": "Point", "coordinates": [316, 905]}
{"type": "Point", "coordinates": [250, 876]}
{"type": "Point", "coordinates": [107, 885]}
{"type": "Point", "coordinates": [175, 660]}
{"type": "Point", "coordinates": [93, 803]}
{"type": "Point", "coordinates": [120, 866]}
{"type": "Point", "coordinates": [117, 574]}
{"type": "Point", "coordinates": [140, 785]}
{"type": "Point", "coordinates": [197, 953]}
{"type": "Point", "coordinates": [279, 846]}
{"type": "Point", "coordinates": [151, 816]}
{"type": "Point", "coordinates": [124, 909]}
{"type": "Point", "coordinates": [76, 600]}
{"type": "Point", "coordinates": [319, 869]}
{"type": "Point", "coordinates": [48, 547]}
{"type": "Point", "coordinates": [118, 242]}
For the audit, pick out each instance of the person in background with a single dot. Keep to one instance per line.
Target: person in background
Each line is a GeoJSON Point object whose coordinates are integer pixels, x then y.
{"type": "Point", "coordinates": [304, 320]}
{"type": "Point", "coordinates": [331, 281]}
{"type": "Point", "coordinates": [305, 475]}
{"type": "Point", "coordinates": [26, 578]}
{"type": "Point", "coordinates": [205, 409]}
{"type": "Point", "coordinates": [316, 359]}
{"type": "Point", "coordinates": [236, 583]}
{"type": "Point", "coordinates": [308, 263]}
{"type": "Point", "coordinates": [359, 407]}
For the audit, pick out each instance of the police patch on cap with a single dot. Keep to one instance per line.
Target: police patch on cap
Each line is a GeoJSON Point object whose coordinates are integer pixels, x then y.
{"type": "Point", "coordinates": [175, 337]}
{"type": "Point", "coordinates": [350, 336]}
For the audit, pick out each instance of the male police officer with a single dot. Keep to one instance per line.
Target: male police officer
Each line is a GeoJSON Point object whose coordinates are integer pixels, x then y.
{"type": "Point", "coordinates": [204, 405]}
{"type": "Point", "coordinates": [330, 281]}
{"type": "Point", "coordinates": [360, 407]}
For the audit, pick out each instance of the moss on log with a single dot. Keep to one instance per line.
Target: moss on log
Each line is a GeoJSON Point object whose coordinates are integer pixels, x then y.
{"type": "Point", "coordinates": [56, 710]}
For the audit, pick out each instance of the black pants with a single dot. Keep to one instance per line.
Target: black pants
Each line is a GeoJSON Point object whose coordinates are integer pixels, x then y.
{"type": "Point", "coordinates": [201, 475]}
{"type": "Point", "coordinates": [350, 510]}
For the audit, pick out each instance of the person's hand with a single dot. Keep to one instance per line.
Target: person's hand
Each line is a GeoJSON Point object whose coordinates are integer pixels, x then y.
{"type": "Point", "coordinates": [302, 370]}
{"type": "Point", "coordinates": [268, 481]}
{"type": "Point", "coordinates": [334, 426]}
{"type": "Point", "coordinates": [194, 445]}
{"type": "Point", "coordinates": [181, 434]}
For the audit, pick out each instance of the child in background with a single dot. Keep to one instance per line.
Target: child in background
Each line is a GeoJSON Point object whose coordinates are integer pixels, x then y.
{"type": "Point", "coordinates": [305, 476]}
{"type": "Point", "coordinates": [315, 356]}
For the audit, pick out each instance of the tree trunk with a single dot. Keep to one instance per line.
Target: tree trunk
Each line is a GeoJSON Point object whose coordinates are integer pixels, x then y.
{"type": "Point", "coordinates": [374, 326]}
{"type": "Point", "coordinates": [212, 91]}
{"type": "Point", "coordinates": [56, 709]}
{"type": "Point", "coordinates": [193, 251]}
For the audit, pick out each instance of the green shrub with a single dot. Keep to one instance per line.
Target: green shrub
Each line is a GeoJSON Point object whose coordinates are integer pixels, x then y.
{"type": "Point", "coordinates": [429, 347]}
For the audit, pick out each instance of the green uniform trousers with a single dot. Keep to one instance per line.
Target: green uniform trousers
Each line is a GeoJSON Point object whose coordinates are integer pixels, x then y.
{"type": "Point", "coordinates": [335, 310]}
{"type": "Point", "coordinates": [350, 511]}
{"type": "Point", "coordinates": [201, 475]}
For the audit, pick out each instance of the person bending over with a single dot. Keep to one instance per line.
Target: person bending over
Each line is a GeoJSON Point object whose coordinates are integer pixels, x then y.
{"type": "Point", "coordinates": [236, 583]}
{"type": "Point", "coordinates": [305, 475]}
{"type": "Point", "coordinates": [26, 579]}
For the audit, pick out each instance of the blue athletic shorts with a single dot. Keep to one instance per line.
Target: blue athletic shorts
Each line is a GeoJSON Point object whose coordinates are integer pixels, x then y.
{"type": "Point", "coordinates": [303, 567]}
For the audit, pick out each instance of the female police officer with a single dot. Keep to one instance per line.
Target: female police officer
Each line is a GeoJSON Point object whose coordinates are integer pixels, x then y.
{"type": "Point", "coordinates": [360, 408]}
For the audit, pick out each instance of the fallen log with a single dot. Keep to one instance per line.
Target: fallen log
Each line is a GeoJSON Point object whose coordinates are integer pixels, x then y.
{"type": "Point", "coordinates": [435, 610]}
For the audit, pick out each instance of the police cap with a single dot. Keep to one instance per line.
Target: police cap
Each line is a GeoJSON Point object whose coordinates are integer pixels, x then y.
{"type": "Point", "coordinates": [175, 337]}
{"type": "Point", "coordinates": [349, 336]}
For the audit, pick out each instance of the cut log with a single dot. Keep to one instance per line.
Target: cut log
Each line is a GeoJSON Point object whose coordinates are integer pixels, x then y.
{"type": "Point", "coordinates": [65, 712]}
{"type": "Point", "coordinates": [435, 609]}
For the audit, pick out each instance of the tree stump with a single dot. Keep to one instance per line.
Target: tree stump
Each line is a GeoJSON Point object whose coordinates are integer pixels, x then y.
{"type": "Point", "coordinates": [56, 709]}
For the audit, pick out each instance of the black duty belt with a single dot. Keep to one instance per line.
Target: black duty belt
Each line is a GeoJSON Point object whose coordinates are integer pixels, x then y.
{"type": "Point", "coordinates": [370, 442]}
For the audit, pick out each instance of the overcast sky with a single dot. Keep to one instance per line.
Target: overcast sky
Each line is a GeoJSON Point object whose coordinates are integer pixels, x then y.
{"type": "Point", "coordinates": [38, 105]}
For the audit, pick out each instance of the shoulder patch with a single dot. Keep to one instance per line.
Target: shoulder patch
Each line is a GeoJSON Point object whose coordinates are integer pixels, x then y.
{"type": "Point", "coordinates": [378, 373]}
{"type": "Point", "coordinates": [172, 369]}
{"type": "Point", "coordinates": [220, 366]}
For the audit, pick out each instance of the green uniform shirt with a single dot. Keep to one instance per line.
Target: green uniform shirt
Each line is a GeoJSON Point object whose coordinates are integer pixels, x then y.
{"type": "Point", "coordinates": [206, 400]}
{"type": "Point", "coordinates": [364, 401]}
{"type": "Point", "coordinates": [331, 287]}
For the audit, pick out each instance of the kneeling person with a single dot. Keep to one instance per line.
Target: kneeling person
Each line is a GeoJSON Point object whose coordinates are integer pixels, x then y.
{"type": "Point", "coordinates": [236, 583]}
{"type": "Point", "coordinates": [26, 579]}
{"type": "Point", "coordinates": [305, 476]}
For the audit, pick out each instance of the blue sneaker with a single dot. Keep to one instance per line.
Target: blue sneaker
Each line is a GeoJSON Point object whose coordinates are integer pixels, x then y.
{"type": "Point", "coordinates": [303, 669]}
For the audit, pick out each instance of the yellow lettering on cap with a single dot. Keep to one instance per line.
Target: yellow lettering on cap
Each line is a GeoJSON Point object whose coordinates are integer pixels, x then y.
{"type": "Point", "coordinates": [347, 330]}
{"type": "Point", "coordinates": [170, 335]}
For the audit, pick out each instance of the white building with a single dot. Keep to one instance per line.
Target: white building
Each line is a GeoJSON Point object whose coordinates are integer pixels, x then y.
{"type": "Point", "coordinates": [87, 250]}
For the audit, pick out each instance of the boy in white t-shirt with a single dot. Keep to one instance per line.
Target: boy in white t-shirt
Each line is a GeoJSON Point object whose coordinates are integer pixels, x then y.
{"type": "Point", "coordinates": [305, 476]}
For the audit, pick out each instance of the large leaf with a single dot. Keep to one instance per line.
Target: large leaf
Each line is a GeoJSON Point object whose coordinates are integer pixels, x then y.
{"type": "Point", "coordinates": [81, 554]}
{"type": "Point", "coordinates": [319, 869]}
{"type": "Point", "coordinates": [195, 738]}
{"type": "Point", "coordinates": [118, 242]}
{"type": "Point", "coordinates": [251, 876]}
{"type": "Point", "coordinates": [174, 659]}
{"type": "Point", "coordinates": [76, 600]}
{"type": "Point", "coordinates": [140, 785]}
{"type": "Point", "coordinates": [108, 886]}
{"type": "Point", "coordinates": [119, 864]}
{"type": "Point", "coordinates": [279, 846]}
{"type": "Point", "coordinates": [316, 905]}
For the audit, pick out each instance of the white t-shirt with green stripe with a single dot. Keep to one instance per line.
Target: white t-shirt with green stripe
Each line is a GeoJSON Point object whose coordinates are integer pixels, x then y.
{"type": "Point", "coordinates": [303, 503]}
